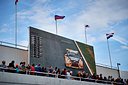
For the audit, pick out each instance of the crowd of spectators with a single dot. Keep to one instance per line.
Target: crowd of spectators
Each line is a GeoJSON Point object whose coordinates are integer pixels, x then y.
{"type": "Point", "coordinates": [56, 72]}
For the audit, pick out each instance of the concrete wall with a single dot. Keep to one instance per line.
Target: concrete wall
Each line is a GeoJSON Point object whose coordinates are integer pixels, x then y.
{"type": "Point", "coordinates": [111, 72]}
{"type": "Point", "coordinates": [105, 71]}
{"type": "Point", "coordinates": [124, 74]}
{"type": "Point", "coordinates": [10, 53]}
{"type": "Point", "coordinates": [21, 79]}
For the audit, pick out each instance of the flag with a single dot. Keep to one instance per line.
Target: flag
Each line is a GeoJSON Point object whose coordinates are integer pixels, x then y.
{"type": "Point", "coordinates": [16, 2]}
{"type": "Point", "coordinates": [86, 25]}
{"type": "Point", "coordinates": [109, 35]}
{"type": "Point", "coordinates": [59, 17]}
{"type": "Point", "coordinates": [118, 63]}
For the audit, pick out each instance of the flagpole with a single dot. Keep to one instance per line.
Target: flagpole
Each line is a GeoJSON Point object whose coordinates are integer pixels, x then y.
{"type": "Point", "coordinates": [56, 27]}
{"type": "Point", "coordinates": [86, 33]}
{"type": "Point", "coordinates": [15, 25]}
{"type": "Point", "coordinates": [85, 36]}
{"type": "Point", "coordinates": [109, 53]}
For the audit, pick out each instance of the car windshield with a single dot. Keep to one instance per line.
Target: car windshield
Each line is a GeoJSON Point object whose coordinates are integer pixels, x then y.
{"type": "Point", "coordinates": [74, 58]}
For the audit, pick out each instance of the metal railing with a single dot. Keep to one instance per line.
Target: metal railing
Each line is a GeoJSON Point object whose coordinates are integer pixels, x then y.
{"type": "Point", "coordinates": [13, 45]}
{"type": "Point", "coordinates": [103, 65]}
{"type": "Point", "coordinates": [46, 74]}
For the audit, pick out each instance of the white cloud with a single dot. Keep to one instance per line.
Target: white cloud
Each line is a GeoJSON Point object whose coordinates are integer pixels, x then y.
{"type": "Point", "coordinates": [120, 40]}
{"type": "Point", "coordinates": [4, 28]}
{"type": "Point", "coordinates": [98, 14]}
{"type": "Point", "coordinates": [38, 16]}
{"type": "Point", "coordinates": [124, 47]}
{"type": "Point", "coordinates": [103, 12]}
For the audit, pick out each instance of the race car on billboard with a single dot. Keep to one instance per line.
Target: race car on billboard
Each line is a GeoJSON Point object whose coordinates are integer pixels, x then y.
{"type": "Point", "coordinates": [72, 59]}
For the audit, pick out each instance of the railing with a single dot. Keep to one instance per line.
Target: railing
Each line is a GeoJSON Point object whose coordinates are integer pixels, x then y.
{"type": "Point", "coordinates": [99, 64]}
{"type": "Point", "coordinates": [28, 72]}
{"type": "Point", "coordinates": [13, 45]}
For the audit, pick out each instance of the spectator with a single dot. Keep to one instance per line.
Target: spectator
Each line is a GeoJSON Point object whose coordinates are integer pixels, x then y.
{"type": "Point", "coordinates": [83, 74]}
{"type": "Point", "coordinates": [93, 76]}
{"type": "Point", "coordinates": [79, 74]}
{"type": "Point", "coordinates": [11, 65]}
{"type": "Point", "coordinates": [50, 70]}
{"type": "Point", "coordinates": [28, 68]}
{"type": "Point", "coordinates": [64, 72]}
{"type": "Point", "coordinates": [21, 64]}
{"type": "Point", "coordinates": [17, 68]}
{"type": "Point", "coordinates": [87, 75]}
{"type": "Point", "coordinates": [105, 78]}
{"type": "Point", "coordinates": [44, 69]}
{"type": "Point", "coordinates": [100, 78]}
{"type": "Point", "coordinates": [68, 75]}
{"type": "Point", "coordinates": [38, 69]}
{"type": "Point", "coordinates": [55, 70]}
{"type": "Point", "coordinates": [109, 78]}
{"type": "Point", "coordinates": [58, 73]}
{"type": "Point", "coordinates": [3, 64]}
{"type": "Point", "coordinates": [71, 73]}
{"type": "Point", "coordinates": [33, 69]}
{"type": "Point", "coordinates": [23, 68]}
{"type": "Point", "coordinates": [97, 77]}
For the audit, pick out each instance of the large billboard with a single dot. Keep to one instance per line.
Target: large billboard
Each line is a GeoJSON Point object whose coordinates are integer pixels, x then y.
{"type": "Point", "coordinates": [52, 50]}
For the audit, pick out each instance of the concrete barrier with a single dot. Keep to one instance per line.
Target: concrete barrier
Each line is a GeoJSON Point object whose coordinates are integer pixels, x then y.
{"type": "Point", "coordinates": [23, 79]}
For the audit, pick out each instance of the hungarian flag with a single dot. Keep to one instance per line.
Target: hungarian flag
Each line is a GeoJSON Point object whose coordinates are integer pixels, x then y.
{"type": "Point", "coordinates": [59, 17]}
{"type": "Point", "coordinates": [16, 2]}
{"type": "Point", "coordinates": [109, 35]}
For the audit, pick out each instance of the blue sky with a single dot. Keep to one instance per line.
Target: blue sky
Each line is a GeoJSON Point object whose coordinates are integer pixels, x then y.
{"type": "Point", "coordinates": [103, 16]}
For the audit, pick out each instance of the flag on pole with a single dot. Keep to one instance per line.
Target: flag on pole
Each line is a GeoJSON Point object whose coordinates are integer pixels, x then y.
{"type": "Point", "coordinates": [59, 17]}
{"type": "Point", "coordinates": [109, 35]}
{"type": "Point", "coordinates": [16, 2]}
{"type": "Point", "coordinates": [86, 25]}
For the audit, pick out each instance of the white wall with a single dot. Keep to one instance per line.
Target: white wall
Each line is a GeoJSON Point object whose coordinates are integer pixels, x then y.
{"type": "Point", "coordinates": [111, 72]}
{"type": "Point", "coordinates": [21, 79]}
{"type": "Point", "coordinates": [9, 53]}
{"type": "Point", "coordinates": [105, 71]}
{"type": "Point", "coordinates": [124, 74]}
